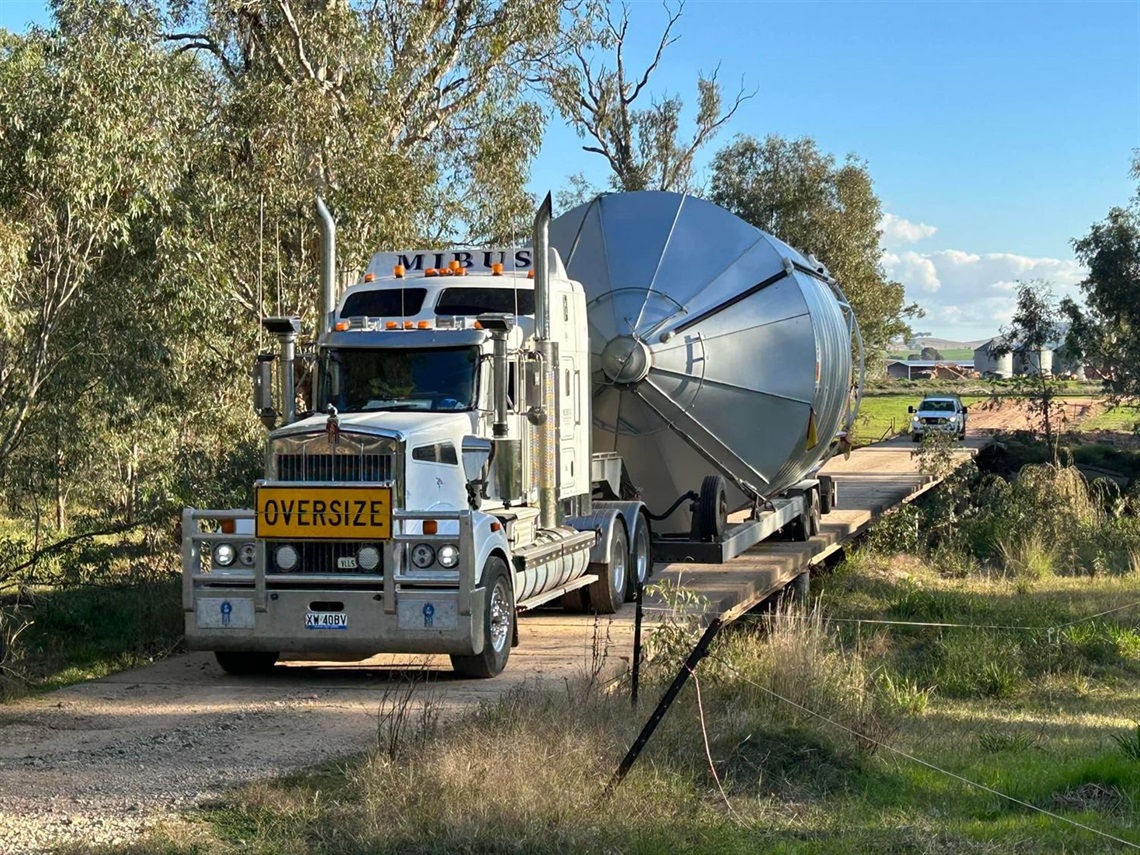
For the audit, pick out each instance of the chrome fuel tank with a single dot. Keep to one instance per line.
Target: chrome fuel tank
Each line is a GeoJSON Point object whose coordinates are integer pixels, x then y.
{"type": "Point", "coordinates": [714, 347]}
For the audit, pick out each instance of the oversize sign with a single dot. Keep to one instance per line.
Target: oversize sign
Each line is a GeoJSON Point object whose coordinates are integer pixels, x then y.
{"type": "Point", "coordinates": [324, 513]}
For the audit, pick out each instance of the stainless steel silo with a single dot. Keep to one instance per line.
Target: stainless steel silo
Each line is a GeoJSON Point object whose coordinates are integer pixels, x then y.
{"type": "Point", "coordinates": [715, 347]}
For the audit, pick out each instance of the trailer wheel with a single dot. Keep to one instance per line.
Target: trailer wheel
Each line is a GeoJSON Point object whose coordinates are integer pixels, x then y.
{"type": "Point", "coordinates": [640, 558]}
{"type": "Point", "coordinates": [498, 625]}
{"type": "Point", "coordinates": [799, 529]}
{"type": "Point", "coordinates": [713, 508]}
{"type": "Point", "coordinates": [245, 663]}
{"type": "Point", "coordinates": [798, 590]}
{"type": "Point", "coordinates": [608, 594]}
{"type": "Point", "coordinates": [827, 494]}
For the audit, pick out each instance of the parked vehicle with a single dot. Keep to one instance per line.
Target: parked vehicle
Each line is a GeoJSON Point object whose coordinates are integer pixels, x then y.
{"type": "Point", "coordinates": [938, 414]}
{"type": "Point", "coordinates": [489, 430]}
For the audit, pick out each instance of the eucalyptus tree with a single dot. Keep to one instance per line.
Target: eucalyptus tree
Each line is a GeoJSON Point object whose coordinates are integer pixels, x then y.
{"type": "Point", "coordinates": [595, 91]}
{"type": "Point", "coordinates": [1105, 331]}
{"type": "Point", "coordinates": [92, 141]}
{"type": "Point", "coordinates": [794, 191]}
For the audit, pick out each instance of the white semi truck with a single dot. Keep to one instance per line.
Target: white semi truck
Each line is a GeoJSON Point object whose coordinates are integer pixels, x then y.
{"type": "Point", "coordinates": [467, 455]}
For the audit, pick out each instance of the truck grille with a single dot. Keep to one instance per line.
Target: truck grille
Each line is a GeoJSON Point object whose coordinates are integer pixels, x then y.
{"type": "Point", "coordinates": [931, 420]}
{"type": "Point", "coordinates": [322, 557]}
{"type": "Point", "coordinates": [334, 467]}
{"type": "Point", "coordinates": [350, 457]}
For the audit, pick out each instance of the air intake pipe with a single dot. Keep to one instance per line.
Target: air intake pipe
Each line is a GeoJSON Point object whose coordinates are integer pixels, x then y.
{"type": "Point", "coordinates": [328, 268]}
{"type": "Point", "coordinates": [549, 516]}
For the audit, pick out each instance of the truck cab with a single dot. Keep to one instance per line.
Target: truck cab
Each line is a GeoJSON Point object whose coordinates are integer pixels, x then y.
{"type": "Point", "coordinates": [438, 481]}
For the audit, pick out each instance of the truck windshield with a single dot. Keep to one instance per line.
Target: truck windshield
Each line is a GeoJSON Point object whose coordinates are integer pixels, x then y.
{"type": "Point", "coordinates": [358, 381]}
{"type": "Point", "coordinates": [938, 406]}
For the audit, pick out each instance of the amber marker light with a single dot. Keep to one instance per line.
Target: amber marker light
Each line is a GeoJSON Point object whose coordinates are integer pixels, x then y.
{"type": "Point", "coordinates": [497, 269]}
{"type": "Point", "coordinates": [391, 325]}
{"type": "Point", "coordinates": [423, 325]}
{"type": "Point", "coordinates": [341, 326]}
{"type": "Point", "coordinates": [408, 325]}
{"type": "Point", "coordinates": [431, 527]}
{"type": "Point", "coordinates": [369, 277]}
{"type": "Point", "coordinates": [398, 271]}
{"type": "Point", "coordinates": [431, 271]}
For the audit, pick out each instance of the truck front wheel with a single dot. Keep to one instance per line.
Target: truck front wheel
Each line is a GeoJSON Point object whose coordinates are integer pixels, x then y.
{"type": "Point", "coordinates": [498, 625]}
{"type": "Point", "coordinates": [243, 663]}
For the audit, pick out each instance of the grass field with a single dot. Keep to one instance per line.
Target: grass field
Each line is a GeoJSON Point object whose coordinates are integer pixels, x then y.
{"type": "Point", "coordinates": [1114, 418]}
{"type": "Point", "coordinates": [784, 750]}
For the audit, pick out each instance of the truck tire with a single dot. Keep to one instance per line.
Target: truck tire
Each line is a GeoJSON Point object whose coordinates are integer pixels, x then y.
{"type": "Point", "coordinates": [799, 529]}
{"type": "Point", "coordinates": [712, 513]}
{"type": "Point", "coordinates": [640, 557]}
{"type": "Point", "coordinates": [828, 495]}
{"type": "Point", "coordinates": [245, 663]}
{"type": "Point", "coordinates": [576, 602]}
{"type": "Point", "coordinates": [498, 625]}
{"type": "Point", "coordinates": [608, 594]}
{"type": "Point", "coordinates": [798, 591]}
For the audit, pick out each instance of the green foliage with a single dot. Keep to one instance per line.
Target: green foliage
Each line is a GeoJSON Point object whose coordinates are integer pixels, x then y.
{"type": "Point", "coordinates": [1106, 330]}
{"type": "Point", "coordinates": [993, 741]}
{"type": "Point", "coordinates": [1129, 743]}
{"type": "Point", "coordinates": [802, 196]}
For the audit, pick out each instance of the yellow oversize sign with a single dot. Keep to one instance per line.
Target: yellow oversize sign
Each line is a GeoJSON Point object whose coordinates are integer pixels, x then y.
{"type": "Point", "coordinates": [323, 513]}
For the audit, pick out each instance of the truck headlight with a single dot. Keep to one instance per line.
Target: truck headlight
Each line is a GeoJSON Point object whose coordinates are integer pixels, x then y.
{"type": "Point", "coordinates": [368, 558]}
{"type": "Point", "coordinates": [423, 555]}
{"type": "Point", "coordinates": [247, 554]}
{"type": "Point", "coordinates": [448, 556]}
{"type": "Point", "coordinates": [286, 557]}
{"type": "Point", "coordinates": [224, 554]}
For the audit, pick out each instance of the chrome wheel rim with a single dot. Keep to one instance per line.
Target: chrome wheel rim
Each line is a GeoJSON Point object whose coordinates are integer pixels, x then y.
{"type": "Point", "coordinates": [641, 553]}
{"type": "Point", "coordinates": [617, 565]}
{"type": "Point", "coordinates": [500, 616]}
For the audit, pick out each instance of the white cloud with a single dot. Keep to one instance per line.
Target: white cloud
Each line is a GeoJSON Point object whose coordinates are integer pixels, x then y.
{"type": "Point", "coordinates": [970, 296]}
{"type": "Point", "coordinates": [898, 231]}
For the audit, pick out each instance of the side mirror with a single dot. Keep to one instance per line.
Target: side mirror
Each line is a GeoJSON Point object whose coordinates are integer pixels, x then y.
{"type": "Point", "coordinates": [477, 454]}
{"type": "Point", "coordinates": [910, 409]}
{"type": "Point", "coordinates": [263, 389]}
{"type": "Point", "coordinates": [965, 410]}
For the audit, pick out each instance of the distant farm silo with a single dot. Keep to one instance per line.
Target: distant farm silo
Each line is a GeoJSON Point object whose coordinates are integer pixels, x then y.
{"type": "Point", "coordinates": [989, 363]}
{"type": "Point", "coordinates": [1035, 361]}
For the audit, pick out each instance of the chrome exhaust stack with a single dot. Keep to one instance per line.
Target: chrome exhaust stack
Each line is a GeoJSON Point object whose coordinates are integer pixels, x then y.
{"type": "Point", "coordinates": [328, 268]}
{"type": "Point", "coordinates": [549, 516]}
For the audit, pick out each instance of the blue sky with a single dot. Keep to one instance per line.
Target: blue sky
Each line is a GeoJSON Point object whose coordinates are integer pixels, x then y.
{"type": "Point", "coordinates": [995, 131]}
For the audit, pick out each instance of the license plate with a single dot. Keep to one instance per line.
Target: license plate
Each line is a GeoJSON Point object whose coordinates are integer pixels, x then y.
{"type": "Point", "coordinates": [324, 513]}
{"type": "Point", "coordinates": [326, 620]}
{"type": "Point", "coordinates": [346, 563]}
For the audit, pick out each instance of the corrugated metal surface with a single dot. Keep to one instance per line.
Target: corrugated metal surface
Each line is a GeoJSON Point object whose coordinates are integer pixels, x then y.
{"type": "Point", "coordinates": [711, 350]}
